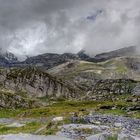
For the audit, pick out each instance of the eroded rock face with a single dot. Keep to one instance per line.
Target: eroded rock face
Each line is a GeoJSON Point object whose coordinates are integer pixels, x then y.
{"type": "Point", "coordinates": [114, 86]}
{"type": "Point", "coordinates": [136, 90]}
{"type": "Point", "coordinates": [102, 127]}
{"type": "Point", "coordinates": [10, 100]}
{"type": "Point", "coordinates": [36, 83]}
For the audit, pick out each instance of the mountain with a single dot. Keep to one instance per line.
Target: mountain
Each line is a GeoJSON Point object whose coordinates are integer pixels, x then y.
{"type": "Point", "coordinates": [83, 55]}
{"type": "Point", "coordinates": [128, 51]}
{"type": "Point", "coordinates": [86, 74]}
{"type": "Point", "coordinates": [7, 59]}
{"type": "Point", "coordinates": [50, 60]}
{"type": "Point", "coordinates": [10, 57]}
{"type": "Point", "coordinates": [71, 76]}
{"type": "Point", "coordinates": [36, 83]}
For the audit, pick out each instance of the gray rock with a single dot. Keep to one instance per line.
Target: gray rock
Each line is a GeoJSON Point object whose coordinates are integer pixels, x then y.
{"type": "Point", "coordinates": [103, 136]}
{"type": "Point", "coordinates": [125, 137]}
{"type": "Point", "coordinates": [30, 137]}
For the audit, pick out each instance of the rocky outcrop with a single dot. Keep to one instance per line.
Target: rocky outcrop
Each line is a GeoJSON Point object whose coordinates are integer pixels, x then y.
{"type": "Point", "coordinates": [103, 127]}
{"type": "Point", "coordinates": [36, 83]}
{"type": "Point", "coordinates": [10, 100]}
{"type": "Point", "coordinates": [136, 90]}
{"type": "Point", "coordinates": [114, 86]}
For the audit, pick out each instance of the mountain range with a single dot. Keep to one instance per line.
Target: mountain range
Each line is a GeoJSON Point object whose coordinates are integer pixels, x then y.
{"type": "Point", "coordinates": [71, 76]}
{"type": "Point", "coordinates": [49, 60]}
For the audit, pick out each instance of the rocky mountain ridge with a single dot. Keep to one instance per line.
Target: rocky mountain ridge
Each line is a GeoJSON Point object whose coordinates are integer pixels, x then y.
{"type": "Point", "coordinates": [36, 83]}
{"type": "Point", "coordinates": [72, 78]}
{"type": "Point", "coordinates": [50, 60]}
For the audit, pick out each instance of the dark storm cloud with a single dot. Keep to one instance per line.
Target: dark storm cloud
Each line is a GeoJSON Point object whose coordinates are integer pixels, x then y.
{"type": "Point", "coordinates": [30, 27]}
{"type": "Point", "coordinates": [15, 13]}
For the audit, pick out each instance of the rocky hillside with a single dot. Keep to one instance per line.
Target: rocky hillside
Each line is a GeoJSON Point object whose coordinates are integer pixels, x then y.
{"type": "Point", "coordinates": [109, 76]}
{"type": "Point", "coordinates": [36, 83]}
{"type": "Point", "coordinates": [11, 100]}
{"type": "Point", "coordinates": [115, 75]}
{"type": "Point", "coordinates": [50, 60]}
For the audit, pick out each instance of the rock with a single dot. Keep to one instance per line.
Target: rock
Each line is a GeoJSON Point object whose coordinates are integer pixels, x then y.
{"type": "Point", "coordinates": [37, 83]}
{"type": "Point", "coordinates": [115, 86]}
{"type": "Point", "coordinates": [135, 100]}
{"type": "Point", "coordinates": [15, 125]}
{"type": "Point", "coordinates": [118, 124]}
{"type": "Point", "coordinates": [106, 107]}
{"type": "Point", "coordinates": [30, 137]}
{"type": "Point", "coordinates": [125, 137]}
{"type": "Point", "coordinates": [136, 90]}
{"type": "Point", "coordinates": [12, 100]}
{"type": "Point", "coordinates": [57, 119]}
{"type": "Point", "coordinates": [103, 136]}
{"type": "Point", "coordinates": [133, 108]}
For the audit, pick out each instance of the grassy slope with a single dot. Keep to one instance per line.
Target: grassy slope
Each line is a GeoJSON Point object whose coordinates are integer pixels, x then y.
{"type": "Point", "coordinates": [114, 68]}
{"type": "Point", "coordinates": [65, 109]}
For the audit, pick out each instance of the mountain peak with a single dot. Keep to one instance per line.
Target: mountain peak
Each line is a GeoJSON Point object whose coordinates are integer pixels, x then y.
{"type": "Point", "coordinates": [127, 51]}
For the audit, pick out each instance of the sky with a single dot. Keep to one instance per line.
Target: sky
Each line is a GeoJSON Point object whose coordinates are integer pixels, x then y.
{"type": "Point", "coordinates": [32, 27]}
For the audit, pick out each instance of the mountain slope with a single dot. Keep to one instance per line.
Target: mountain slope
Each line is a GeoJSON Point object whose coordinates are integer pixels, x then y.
{"type": "Point", "coordinates": [85, 74]}
{"type": "Point", "coordinates": [50, 60]}
{"type": "Point", "coordinates": [7, 59]}
{"type": "Point", "coordinates": [36, 83]}
{"type": "Point", "coordinates": [128, 51]}
{"type": "Point", "coordinates": [13, 101]}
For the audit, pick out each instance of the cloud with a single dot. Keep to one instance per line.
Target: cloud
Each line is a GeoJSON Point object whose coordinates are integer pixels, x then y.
{"type": "Point", "coordinates": [31, 27]}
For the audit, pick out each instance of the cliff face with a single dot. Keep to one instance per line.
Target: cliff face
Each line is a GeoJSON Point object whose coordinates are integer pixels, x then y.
{"type": "Point", "coordinates": [114, 86]}
{"type": "Point", "coordinates": [36, 83]}
{"type": "Point", "coordinates": [111, 89]}
{"type": "Point", "coordinates": [11, 100]}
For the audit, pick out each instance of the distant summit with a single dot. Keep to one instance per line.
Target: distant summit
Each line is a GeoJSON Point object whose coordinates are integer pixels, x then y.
{"type": "Point", "coordinates": [128, 51]}
{"type": "Point", "coordinates": [50, 60]}
{"type": "Point", "coordinates": [83, 55]}
{"type": "Point", "coordinates": [7, 58]}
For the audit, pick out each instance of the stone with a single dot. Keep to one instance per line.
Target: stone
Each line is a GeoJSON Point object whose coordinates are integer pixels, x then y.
{"type": "Point", "coordinates": [58, 119]}
{"type": "Point", "coordinates": [125, 137]}
{"type": "Point", "coordinates": [118, 124]}
{"type": "Point", "coordinates": [102, 136]}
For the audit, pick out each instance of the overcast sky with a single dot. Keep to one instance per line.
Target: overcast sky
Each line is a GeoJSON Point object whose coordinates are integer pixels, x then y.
{"type": "Point", "coordinates": [31, 27]}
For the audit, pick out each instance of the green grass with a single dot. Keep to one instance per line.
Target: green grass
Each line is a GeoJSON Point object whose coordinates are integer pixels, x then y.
{"type": "Point", "coordinates": [65, 109]}
{"type": "Point", "coordinates": [28, 128]}
{"type": "Point", "coordinates": [112, 138]}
